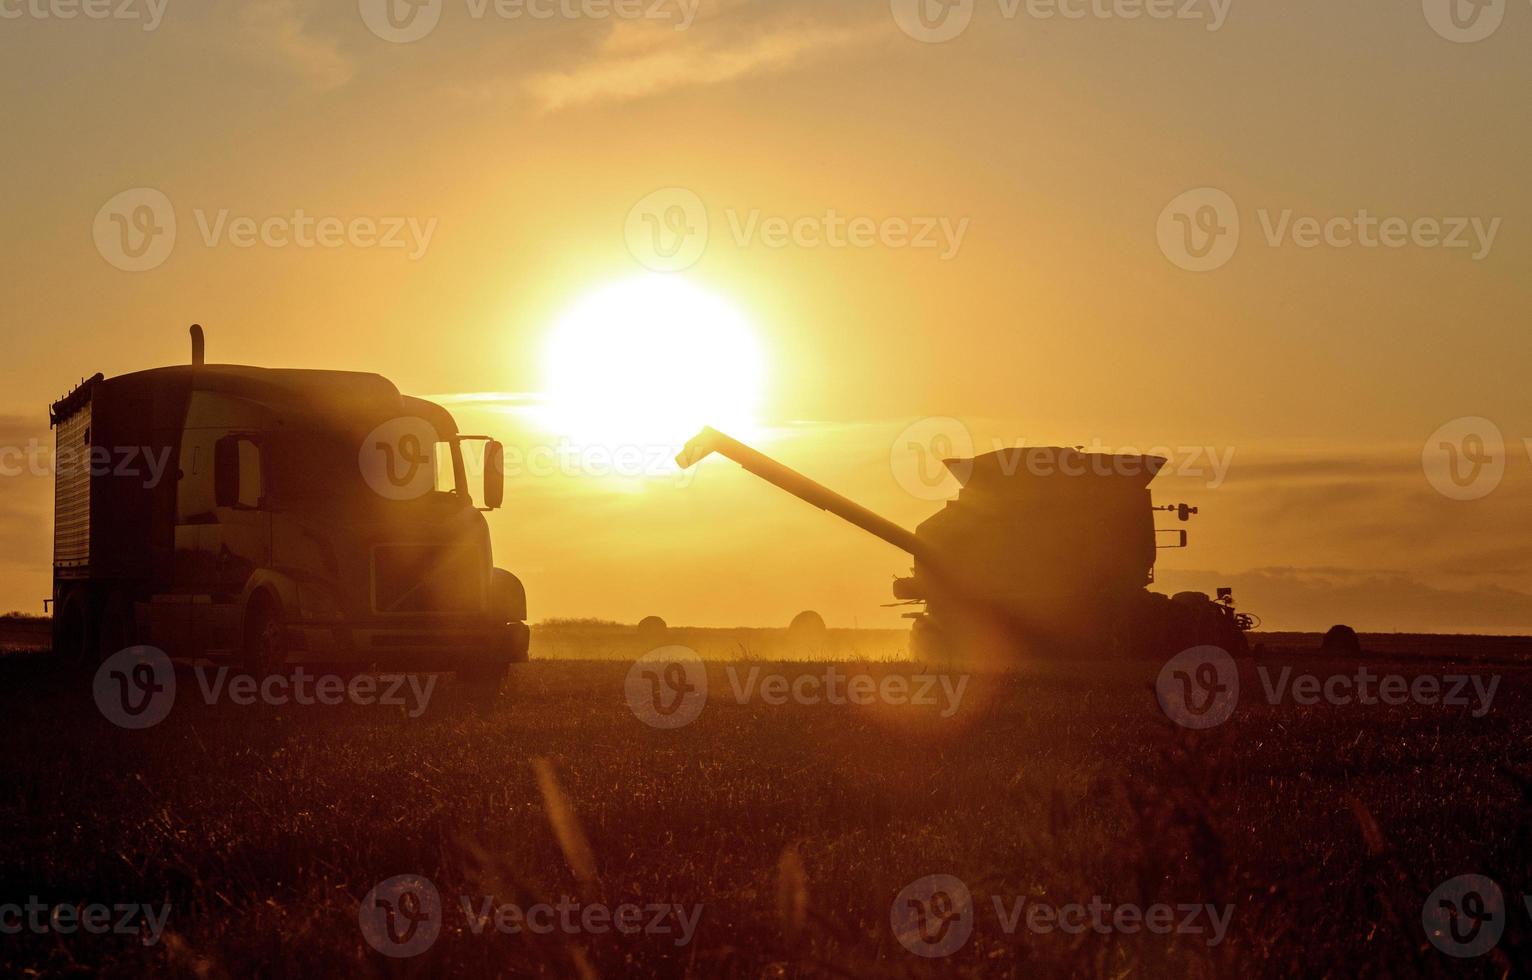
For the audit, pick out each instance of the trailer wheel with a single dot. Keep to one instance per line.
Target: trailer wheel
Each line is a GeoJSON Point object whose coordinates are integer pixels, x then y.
{"type": "Point", "coordinates": [265, 637]}
{"type": "Point", "coordinates": [74, 631]}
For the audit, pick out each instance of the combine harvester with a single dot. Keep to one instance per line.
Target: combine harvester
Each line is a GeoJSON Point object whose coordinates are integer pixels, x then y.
{"type": "Point", "coordinates": [1045, 553]}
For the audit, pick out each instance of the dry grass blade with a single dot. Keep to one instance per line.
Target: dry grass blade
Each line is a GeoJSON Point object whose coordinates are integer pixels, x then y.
{"type": "Point", "coordinates": [583, 967]}
{"type": "Point", "coordinates": [566, 826]}
{"type": "Point", "coordinates": [792, 893]}
{"type": "Point", "coordinates": [1372, 834]}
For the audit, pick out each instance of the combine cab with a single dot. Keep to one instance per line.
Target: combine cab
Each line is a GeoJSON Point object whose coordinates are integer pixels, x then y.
{"type": "Point", "coordinates": [1045, 552]}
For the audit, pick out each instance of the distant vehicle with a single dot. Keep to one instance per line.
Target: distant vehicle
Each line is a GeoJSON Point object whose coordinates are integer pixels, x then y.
{"type": "Point", "coordinates": [1050, 558]}
{"type": "Point", "coordinates": [265, 517]}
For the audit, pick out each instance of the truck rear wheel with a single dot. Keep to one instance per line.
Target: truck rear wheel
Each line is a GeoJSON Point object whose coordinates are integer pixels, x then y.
{"type": "Point", "coordinates": [116, 630]}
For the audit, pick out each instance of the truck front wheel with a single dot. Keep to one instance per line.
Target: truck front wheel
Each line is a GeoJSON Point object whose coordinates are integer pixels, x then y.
{"type": "Point", "coordinates": [265, 636]}
{"type": "Point", "coordinates": [480, 682]}
{"type": "Point", "coordinates": [74, 631]}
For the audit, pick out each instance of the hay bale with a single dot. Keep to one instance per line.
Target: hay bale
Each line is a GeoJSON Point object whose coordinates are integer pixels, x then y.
{"type": "Point", "coordinates": [807, 630]}
{"type": "Point", "coordinates": [1341, 641]}
{"type": "Point", "coordinates": [652, 628]}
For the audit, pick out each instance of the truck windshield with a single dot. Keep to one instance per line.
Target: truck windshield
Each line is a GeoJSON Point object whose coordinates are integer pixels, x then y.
{"type": "Point", "coordinates": [314, 467]}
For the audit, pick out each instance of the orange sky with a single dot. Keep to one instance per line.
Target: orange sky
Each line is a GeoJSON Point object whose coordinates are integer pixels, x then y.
{"type": "Point", "coordinates": [1054, 144]}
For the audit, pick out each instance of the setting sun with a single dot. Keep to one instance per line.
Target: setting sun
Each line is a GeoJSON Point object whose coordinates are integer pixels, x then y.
{"type": "Point", "coordinates": [651, 360]}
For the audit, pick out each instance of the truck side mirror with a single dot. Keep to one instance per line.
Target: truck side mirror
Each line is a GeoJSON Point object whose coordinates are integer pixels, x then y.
{"type": "Point", "coordinates": [237, 473]}
{"type": "Point", "coordinates": [494, 475]}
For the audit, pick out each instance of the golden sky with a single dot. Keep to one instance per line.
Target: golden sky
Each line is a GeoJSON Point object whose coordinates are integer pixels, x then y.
{"type": "Point", "coordinates": [1023, 182]}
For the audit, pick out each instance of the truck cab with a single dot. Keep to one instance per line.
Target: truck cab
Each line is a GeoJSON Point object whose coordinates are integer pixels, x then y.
{"type": "Point", "coordinates": [273, 517]}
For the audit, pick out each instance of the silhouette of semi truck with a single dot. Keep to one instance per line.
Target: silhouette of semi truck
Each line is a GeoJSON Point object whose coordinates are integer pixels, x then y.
{"type": "Point", "coordinates": [265, 517]}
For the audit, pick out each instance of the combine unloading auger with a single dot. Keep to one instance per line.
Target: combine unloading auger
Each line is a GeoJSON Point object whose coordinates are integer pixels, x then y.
{"type": "Point", "coordinates": [1045, 552]}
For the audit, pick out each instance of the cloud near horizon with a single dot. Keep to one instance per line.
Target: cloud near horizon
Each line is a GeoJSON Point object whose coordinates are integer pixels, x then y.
{"type": "Point", "coordinates": [640, 60]}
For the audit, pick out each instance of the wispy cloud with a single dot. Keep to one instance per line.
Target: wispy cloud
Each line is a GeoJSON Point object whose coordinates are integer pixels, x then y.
{"type": "Point", "coordinates": [277, 32]}
{"type": "Point", "coordinates": [639, 60]}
